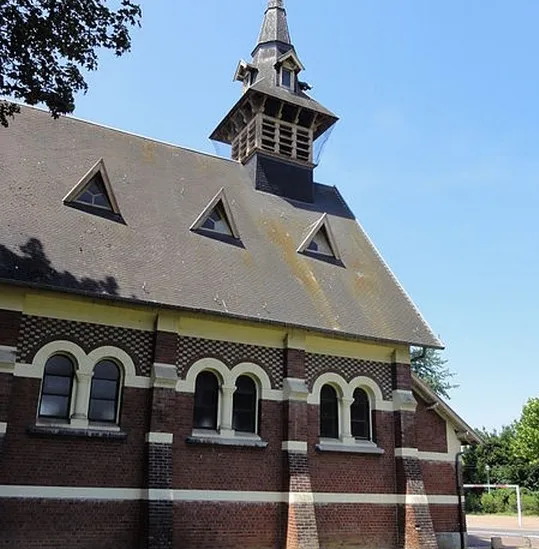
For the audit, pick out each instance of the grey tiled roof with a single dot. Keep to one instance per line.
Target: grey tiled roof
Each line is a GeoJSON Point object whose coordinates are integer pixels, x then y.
{"type": "Point", "coordinates": [154, 257]}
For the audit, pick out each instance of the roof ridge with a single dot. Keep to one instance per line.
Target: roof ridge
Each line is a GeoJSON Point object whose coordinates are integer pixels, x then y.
{"type": "Point", "coordinates": [126, 132]}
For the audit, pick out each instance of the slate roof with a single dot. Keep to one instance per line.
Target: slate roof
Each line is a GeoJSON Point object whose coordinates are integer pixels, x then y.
{"type": "Point", "coordinates": [155, 258]}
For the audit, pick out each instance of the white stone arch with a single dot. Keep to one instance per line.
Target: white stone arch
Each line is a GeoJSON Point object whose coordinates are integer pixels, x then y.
{"type": "Point", "coordinates": [257, 373]}
{"type": "Point", "coordinates": [59, 347]}
{"type": "Point", "coordinates": [370, 387]}
{"type": "Point", "coordinates": [329, 378]}
{"type": "Point", "coordinates": [120, 357]}
{"type": "Point", "coordinates": [211, 364]}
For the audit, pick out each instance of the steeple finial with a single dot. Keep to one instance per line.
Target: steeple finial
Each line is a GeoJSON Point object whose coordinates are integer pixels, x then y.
{"type": "Point", "coordinates": [275, 26]}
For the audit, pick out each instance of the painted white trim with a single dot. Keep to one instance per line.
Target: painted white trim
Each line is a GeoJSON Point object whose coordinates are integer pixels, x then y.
{"type": "Point", "coordinates": [68, 492]}
{"type": "Point", "coordinates": [159, 438]}
{"type": "Point", "coordinates": [424, 456]}
{"type": "Point", "coordinates": [294, 446]}
{"type": "Point", "coordinates": [225, 496]}
{"type": "Point", "coordinates": [159, 494]}
{"type": "Point", "coordinates": [8, 348]}
{"type": "Point", "coordinates": [329, 378]}
{"type": "Point", "coordinates": [407, 452]}
{"type": "Point", "coordinates": [314, 230]}
{"type": "Point", "coordinates": [3, 428]}
{"type": "Point", "coordinates": [27, 370]}
{"type": "Point", "coordinates": [437, 456]}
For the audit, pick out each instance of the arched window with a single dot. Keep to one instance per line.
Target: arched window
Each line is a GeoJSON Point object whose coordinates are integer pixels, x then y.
{"type": "Point", "coordinates": [329, 412]}
{"type": "Point", "coordinates": [105, 392]}
{"type": "Point", "coordinates": [206, 401]}
{"type": "Point", "coordinates": [244, 406]}
{"type": "Point", "coordinates": [361, 415]}
{"type": "Point", "coordinates": [57, 387]}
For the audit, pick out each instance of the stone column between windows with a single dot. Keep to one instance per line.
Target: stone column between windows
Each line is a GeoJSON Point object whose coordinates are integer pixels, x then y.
{"type": "Point", "coordinates": [10, 322]}
{"type": "Point", "coordinates": [83, 382]}
{"type": "Point", "coordinates": [301, 531]}
{"type": "Point", "coordinates": [159, 440]}
{"type": "Point", "coordinates": [415, 527]}
{"type": "Point", "coordinates": [227, 395]}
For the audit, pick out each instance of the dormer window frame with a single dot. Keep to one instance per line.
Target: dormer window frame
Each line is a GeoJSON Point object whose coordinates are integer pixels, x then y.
{"type": "Point", "coordinates": [321, 226]}
{"type": "Point", "coordinates": [292, 84]}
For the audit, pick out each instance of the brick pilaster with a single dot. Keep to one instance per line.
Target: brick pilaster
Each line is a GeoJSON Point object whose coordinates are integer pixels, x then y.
{"type": "Point", "coordinates": [159, 442]}
{"type": "Point", "coordinates": [301, 528]}
{"type": "Point", "coordinates": [9, 331]}
{"type": "Point", "coordinates": [415, 528]}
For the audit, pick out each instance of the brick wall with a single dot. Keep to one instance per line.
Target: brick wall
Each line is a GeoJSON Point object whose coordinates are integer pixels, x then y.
{"type": "Point", "coordinates": [357, 526]}
{"type": "Point", "coordinates": [331, 471]}
{"type": "Point", "coordinates": [60, 461]}
{"type": "Point", "coordinates": [228, 525]}
{"type": "Point", "coordinates": [50, 524]}
{"type": "Point", "coordinates": [445, 518]}
{"type": "Point", "coordinates": [430, 429]}
{"type": "Point", "coordinates": [439, 477]}
{"type": "Point", "coordinates": [227, 467]}
{"type": "Point", "coordinates": [9, 327]}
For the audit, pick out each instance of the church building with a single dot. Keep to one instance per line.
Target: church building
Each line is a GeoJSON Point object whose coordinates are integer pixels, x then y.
{"type": "Point", "coordinates": [199, 352]}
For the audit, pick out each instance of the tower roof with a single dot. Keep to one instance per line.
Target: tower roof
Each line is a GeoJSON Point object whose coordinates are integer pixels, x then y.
{"type": "Point", "coordinates": [275, 26]}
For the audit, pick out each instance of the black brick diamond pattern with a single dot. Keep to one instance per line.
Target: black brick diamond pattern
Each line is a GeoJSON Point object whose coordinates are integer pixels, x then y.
{"type": "Point", "coordinates": [37, 331]}
{"type": "Point", "coordinates": [349, 368]}
{"type": "Point", "coordinates": [269, 359]}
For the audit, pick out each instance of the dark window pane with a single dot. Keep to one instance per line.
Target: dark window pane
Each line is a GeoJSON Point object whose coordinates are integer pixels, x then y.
{"type": "Point", "coordinates": [329, 412]}
{"type": "Point", "coordinates": [101, 200]}
{"type": "Point", "coordinates": [104, 388]}
{"type": "Point", "coordinates": [54, 406]}
{"type": "Point", "coordinates": [102, 410]}
{"type": "Point", "coordinates": [106, 370]}
{"type": "Point", "coordinates": [360, 413]}
{"type": "Point", "coordinates": [244, 405]}
{"type": "Point", "coordinates": [286, 78]}
{"type": "Point", "coordinates": [104, 392]}
{"type": "Point", "coordinates": [57, 385]}
{"type": "Point", "coordinates": [59, 365]}
{"type": "Point", "coordinates": [206, 401]}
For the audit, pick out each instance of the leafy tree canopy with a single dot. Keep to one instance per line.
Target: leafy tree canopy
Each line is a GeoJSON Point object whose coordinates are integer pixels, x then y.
{"type": "Point", "coordinates": [526, 440]}
{"type": "Point", "coordinates": [46, 44]}
{"type": "Point", "coordinates": [429, 365]}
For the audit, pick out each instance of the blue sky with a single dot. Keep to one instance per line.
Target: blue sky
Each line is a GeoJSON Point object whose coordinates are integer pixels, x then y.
{"type": "Point", "coordinates": [436, 150]}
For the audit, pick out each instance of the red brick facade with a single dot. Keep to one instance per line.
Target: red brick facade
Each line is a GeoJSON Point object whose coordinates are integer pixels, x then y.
{"type": "Point", "coordinates": [153, 487]}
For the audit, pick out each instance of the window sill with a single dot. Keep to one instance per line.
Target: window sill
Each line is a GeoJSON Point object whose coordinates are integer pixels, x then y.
{"type": "Point", "coordinates": [351, 447]}
{"type": "Point", "coordinates": [112, 432]}
{"type": "Point", "coordinates": [214, 438]}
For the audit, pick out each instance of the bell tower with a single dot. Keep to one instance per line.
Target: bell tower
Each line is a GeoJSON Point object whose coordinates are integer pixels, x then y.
{"type": "Point", "coordinates": [273, 126]}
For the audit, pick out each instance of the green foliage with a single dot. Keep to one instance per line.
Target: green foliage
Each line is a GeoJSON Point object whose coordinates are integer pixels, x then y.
{"type": "Point", "coordinates": [46, 44]}
{"type": "Point", "coordinates": [429, 365]}
{"type": "Point", "coordinates": [526, 440]}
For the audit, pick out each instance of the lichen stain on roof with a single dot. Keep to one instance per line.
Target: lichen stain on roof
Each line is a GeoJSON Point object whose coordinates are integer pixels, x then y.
{"type": "Point", "coordinates": [302, 271]}
{"type": "Point", "coordinates": [148, 151]}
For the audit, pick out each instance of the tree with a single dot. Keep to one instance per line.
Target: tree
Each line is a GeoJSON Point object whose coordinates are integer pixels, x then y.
{"type": "Point", "coordinates": [46, 44]}
{"type": "Point", "coordinates": [429, 365]}
{"type": "Point", "coordinates": [526, 441]}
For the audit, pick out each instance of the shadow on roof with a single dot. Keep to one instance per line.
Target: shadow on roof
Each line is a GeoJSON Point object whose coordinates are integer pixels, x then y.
{"type": "Point", "coordinates": [326, 200]}
{"type": "Point", "coordinates": [33, 265]}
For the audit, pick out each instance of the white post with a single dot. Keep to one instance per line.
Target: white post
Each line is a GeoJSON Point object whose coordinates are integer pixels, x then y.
{"type": "Point", "coordinates": [519, 507]}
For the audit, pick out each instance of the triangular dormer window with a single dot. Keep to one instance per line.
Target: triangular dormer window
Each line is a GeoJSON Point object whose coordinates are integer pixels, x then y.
{"type": "Point", "coordinates": [216, 220]}
{"type": "Point", "coordinates": [93, 194]}
{"type": "Point", "coordinates": [320, 241]}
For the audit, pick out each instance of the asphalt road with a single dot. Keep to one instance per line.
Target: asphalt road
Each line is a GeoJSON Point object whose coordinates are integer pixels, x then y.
{"type": "Point", "coordinates": [480, 537]}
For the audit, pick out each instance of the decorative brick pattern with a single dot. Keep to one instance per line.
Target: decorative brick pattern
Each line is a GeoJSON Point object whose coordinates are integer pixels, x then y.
{"type": "Point", "coordinates": [36, 331]}
{"type": "Point", "coordinates": [349, 368]}
{"type": "Point", "coordinates": [270, 359]}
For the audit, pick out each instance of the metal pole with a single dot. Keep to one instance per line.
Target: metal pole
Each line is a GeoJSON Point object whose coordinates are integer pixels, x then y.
{"type": "Point", "coordinates": [487, 467]}
{"type": "Point", "coordinates": [519, 507]}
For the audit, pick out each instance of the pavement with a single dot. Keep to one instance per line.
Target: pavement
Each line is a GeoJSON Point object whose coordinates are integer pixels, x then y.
{"type": "Point", "coordinates": [481, 528]}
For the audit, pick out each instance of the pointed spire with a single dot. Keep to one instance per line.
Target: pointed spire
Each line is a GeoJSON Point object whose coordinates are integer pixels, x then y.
{"type": "Point", "coordinates": [275, 26]}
